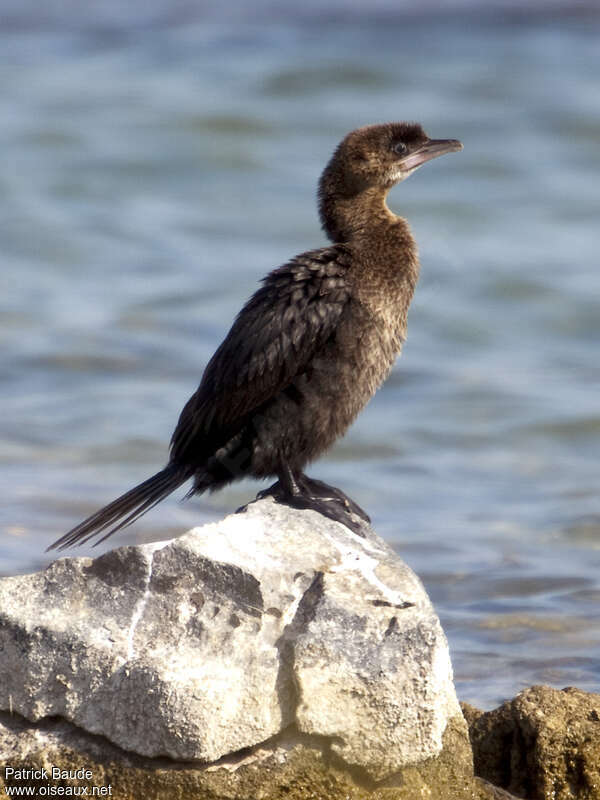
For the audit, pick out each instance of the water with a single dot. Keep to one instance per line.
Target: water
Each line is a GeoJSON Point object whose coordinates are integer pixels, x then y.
{"type": "Point", "coordinates": [156, 165]}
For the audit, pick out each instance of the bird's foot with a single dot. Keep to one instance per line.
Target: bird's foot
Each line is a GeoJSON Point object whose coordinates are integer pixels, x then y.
{"type": "Point", "coordinates": [276, 491]}
{"type": "Point", "coordinates": [318, 496]}
{"type": "Point", "coordinates": [329, 506]}
{"type": "Point", "coordinates": [315, 488]}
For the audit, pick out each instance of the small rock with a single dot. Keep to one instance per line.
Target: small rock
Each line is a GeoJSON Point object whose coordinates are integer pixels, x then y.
{"type": "Point", "coordinates": [543, 744]}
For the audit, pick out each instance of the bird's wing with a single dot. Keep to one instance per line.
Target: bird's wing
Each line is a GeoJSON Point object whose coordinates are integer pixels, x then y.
{"type": "Point", "coordinates": [272, 340]}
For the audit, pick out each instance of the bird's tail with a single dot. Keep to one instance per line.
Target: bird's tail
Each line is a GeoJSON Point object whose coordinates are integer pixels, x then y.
{"type": "Point", "coordinates": [127, 508]}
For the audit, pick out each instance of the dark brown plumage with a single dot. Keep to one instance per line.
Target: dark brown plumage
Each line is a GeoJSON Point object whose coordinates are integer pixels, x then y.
{"type": "Point", "coordinates": [309, 348]}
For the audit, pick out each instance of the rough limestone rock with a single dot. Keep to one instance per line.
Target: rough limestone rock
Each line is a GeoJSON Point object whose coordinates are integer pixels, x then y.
{"type": "Point", "coordinates": [545, 743]}
{"type": "Point", "coordinates": [292, 767]}
{"type": "Point", "coordinates": [271, 623]}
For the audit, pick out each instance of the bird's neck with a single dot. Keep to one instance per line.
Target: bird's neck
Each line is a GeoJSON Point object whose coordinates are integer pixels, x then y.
{"type": "Point", "coordinates": [385, 254]}
{"type": "Point", "coordinates": [346, 217]}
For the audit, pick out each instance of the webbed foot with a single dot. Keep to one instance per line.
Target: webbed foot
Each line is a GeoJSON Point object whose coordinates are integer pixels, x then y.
{"type": "Point", "coordinates": [316, 488]}
{"type": "Point", "coordinates": [307, 493]}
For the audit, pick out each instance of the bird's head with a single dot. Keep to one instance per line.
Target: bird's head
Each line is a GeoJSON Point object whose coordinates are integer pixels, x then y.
{"type": "Point", "coordinates": [380, 156]}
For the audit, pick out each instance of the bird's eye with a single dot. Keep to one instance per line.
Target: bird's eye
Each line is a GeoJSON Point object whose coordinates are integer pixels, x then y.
{"type": "Point", "coordinates": [400, 148]}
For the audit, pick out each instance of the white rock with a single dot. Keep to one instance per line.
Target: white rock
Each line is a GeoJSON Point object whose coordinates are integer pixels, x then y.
{"type": "Point", "coordinates": [218, 640]}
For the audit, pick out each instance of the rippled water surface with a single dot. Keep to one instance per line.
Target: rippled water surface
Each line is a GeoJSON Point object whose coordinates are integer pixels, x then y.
{"type": "Point", "coordinates": [155, 167]}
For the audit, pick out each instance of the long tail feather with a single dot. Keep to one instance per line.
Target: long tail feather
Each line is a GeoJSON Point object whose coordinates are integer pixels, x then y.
{"type": "Point", "coordinates": [125, 509]}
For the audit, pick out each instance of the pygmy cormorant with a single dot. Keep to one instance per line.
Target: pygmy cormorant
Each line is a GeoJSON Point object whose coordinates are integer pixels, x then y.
{"type": "Point", "coordinates": [309, 348]}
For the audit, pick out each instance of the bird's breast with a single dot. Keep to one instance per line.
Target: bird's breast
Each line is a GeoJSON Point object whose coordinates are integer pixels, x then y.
{"type": "Point", "coordinates": [321, 403]}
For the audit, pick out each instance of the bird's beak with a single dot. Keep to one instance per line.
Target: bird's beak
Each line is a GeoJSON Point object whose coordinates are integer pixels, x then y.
{"type": "Point", "coordinates": [431, 149]}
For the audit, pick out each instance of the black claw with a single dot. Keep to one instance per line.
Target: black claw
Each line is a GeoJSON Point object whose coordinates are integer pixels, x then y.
{"type": "Point", "coordinates": [275, 490]}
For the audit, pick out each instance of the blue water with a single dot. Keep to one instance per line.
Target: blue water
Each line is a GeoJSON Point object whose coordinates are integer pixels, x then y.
{"type": "Point", "coordinates": [155, 164]}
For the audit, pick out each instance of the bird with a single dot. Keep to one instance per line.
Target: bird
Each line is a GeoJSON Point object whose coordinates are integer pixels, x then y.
{"type": "Point", "coordinates": [307, 351]}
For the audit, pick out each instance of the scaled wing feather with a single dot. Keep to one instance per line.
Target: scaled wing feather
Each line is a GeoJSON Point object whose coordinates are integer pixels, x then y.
{"type": "Point", "coordinates": [272, 341]}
